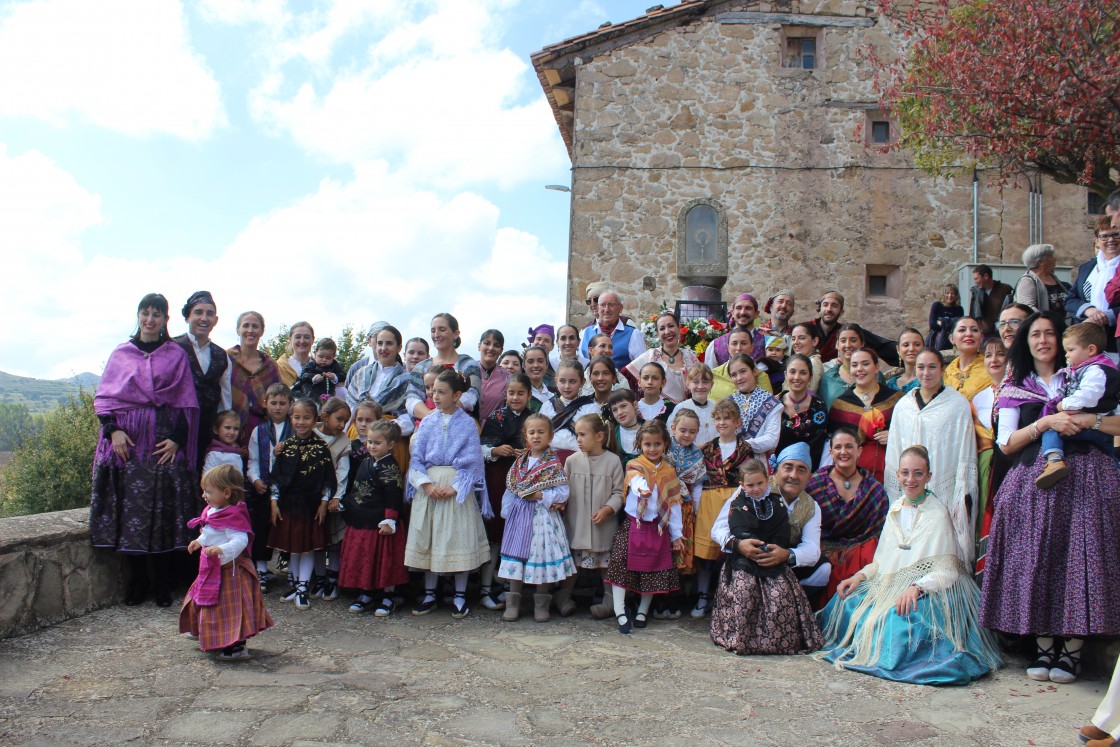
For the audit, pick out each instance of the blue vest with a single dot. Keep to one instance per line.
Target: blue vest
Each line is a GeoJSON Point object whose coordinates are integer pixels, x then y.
{"type": "Point", "coordinates": [265, 444]}
{"type": "Point", "coordinates": [620, 340]}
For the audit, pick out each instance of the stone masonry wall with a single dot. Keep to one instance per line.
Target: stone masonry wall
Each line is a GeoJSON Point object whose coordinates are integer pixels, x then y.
{"type": "Point", "coordinates": [49, 571]}
{"type": "Point", "coordinates": [705, 110]}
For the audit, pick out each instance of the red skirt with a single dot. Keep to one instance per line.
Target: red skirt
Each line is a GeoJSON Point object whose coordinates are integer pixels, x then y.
{"type": "Point", "coordinates": [298, 534]}
{"type": "Point", "coordinates": [845, 564]}
{"type": "Point", "coordinates": [238, 615]}
{"type": "Point", "coordinates": [371, 560]}
{"type": "Point", "coordinates": [496, 472]}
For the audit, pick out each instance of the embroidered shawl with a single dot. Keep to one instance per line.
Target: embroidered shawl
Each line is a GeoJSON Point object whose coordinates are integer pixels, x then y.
{"type": "Point", "coordinates": [660, 477]}
{"type": "Point", "coordinates": [134, 386]}
{"type": "Point", "coordinates": [524, 480]}
{"type": "Point", "coordinates": [723, 473]}
{"type": "Point", "coordinates": [303, 471]}
{"type": "Point", "coordinates": [754, 408]}
{"type": "Point", "coordinates": [971, 380]}
{"type": "Point", "coordinates": [503, 428]}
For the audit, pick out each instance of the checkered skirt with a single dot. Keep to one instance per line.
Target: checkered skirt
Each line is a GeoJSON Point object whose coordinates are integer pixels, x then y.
{"type": "Point", "coordinates": [239, 613]}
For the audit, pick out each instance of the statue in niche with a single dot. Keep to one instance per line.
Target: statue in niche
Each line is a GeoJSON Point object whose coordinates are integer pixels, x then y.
{"type": "Point", "coordinates": [700, 231]}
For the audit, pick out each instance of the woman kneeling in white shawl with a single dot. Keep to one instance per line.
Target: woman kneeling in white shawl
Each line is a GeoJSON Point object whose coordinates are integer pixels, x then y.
{"type": "Point", "coordinates": [911, 614]}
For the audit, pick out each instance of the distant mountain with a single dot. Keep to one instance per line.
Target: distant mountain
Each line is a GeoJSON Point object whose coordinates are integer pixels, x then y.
{"type": "Point", "coordinates": [41, 395]}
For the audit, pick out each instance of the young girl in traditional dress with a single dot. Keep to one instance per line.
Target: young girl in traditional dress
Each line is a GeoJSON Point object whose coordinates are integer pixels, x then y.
{"type": "Point", "coordinates": [336, 416]}
{"type": "Point", "coordinates": [564, 409]}
{"type": "Point", "coordinates": [760, 411]}
{"type": "Point", "coordinates": [642, 551]}
{"type": "Point", "coordinates": [446, 486]}
{"type": "Point", "coordinates": [759, 610]}
{"type": "Point", "coordinates": [223, 607]}
{"type": "Point", "coordinates": [373, 549]}
{"type": "Point", "coordinates": [503, 440]}
{"type": "Point", "coordinates": [595, 485]}
{"type": "Point", "coordinates": [223, 449]}
{"type": "Point", "coordinates": [302, 482]}
{"type": "Point", "coordinates": [622, 438]}
{"type": "Point", "coordinates": [723, 456]}
{"type": "Point", "coordinates": [535, 543]}
{"type": "Point", "coordinates": [686, 458]}
{"type": "Point", "coordinates": [699, 382]}
{"type": "Point", "coordinates": [653, 404]}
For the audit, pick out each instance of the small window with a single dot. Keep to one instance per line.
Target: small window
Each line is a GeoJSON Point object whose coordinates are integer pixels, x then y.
{"type": "Point", "coordinates": [1094, 203]}
{"type": "Point", "coordinates": [883, 282]}
{"type": "Point", "coordinates": [881, 132]}
{"type": "Point", "coordinates": [801, 51]}
{"type": "Point", "coordinates": [878, 130]}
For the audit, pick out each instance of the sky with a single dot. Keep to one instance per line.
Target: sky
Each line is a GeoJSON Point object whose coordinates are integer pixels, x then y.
{"type": "Point", "coordinates": [339, 161]}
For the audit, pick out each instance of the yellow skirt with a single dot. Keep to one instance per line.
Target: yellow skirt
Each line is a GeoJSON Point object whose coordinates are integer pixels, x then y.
{"type": "Point", "coordinates": [711, 502]}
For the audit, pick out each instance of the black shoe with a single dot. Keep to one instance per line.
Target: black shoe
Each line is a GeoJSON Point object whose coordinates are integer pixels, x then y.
{"type": "Point", "coordinates": [640, 620]}
{"type": "Point", "coordinates": [137, 592]}
{"type": "Point", "coordinates": [385, 608]}
{"type": "Point", "coordinates": [459, 607]}
{"type": "Point", "coordinates": [282, 562]}
{"type": "Point", "coordinates": [625, 624]}
{"type": "Point", "coordinates": [163, 597]}
{"type": "Point", "coordinates": [359, 607]}
{"type": "Point", "coordinates": [426, 603]}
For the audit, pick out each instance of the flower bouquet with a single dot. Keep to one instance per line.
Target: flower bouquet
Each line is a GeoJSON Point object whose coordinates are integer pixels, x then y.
{"type": "Point", "coordinates": [696, 334]}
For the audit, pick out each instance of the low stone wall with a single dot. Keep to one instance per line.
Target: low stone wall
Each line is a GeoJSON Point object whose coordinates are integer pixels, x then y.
{"type": "Point", "coordinates": [49, 572]}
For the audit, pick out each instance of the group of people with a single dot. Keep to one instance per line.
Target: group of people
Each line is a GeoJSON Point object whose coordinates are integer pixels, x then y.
{"type": "Point", "coordinates": [798, 466]}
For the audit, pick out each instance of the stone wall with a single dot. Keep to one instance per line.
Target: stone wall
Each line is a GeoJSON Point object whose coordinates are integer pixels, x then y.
{"type": "Point", "coordinates": [49, 571]}
{"type": "Point", "coordinates": [705, 110]}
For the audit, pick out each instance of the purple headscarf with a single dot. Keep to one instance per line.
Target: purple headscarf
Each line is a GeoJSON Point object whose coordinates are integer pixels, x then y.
{"type": "Point", "coordinates": [547, 329]}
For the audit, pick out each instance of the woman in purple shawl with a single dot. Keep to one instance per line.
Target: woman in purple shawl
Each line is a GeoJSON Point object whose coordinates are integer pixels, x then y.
{"type": "Point", "coordinates": [145, 489]}
{"type": "Point", "coordinates": [1052, 571]}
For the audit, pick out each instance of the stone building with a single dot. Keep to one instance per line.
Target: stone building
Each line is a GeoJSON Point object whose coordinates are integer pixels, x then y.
{"type": "Point", "coordinates": [765, 112]}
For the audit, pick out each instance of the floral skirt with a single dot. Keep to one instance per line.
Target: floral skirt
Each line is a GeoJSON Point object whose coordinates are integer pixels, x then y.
{"type": "Point", "coordinates": [763, 615]}
{"type": "Point", "coordinates": [238, 615]}
{"type": "Point", "coordinates": [142, 507]}
{"type": "Point", "coordinates": [683, 559]}
{"type": "Point", "coordinates": [549, 559]}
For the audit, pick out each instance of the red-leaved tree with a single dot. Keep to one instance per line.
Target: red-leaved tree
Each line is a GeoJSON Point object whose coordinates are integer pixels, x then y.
{"type": "Point", "coordinates": [1015, 84]}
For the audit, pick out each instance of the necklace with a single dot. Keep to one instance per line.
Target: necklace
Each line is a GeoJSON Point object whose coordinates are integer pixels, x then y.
{"type": "Point", "coordinates": [671, 358]}
{"type": "Point", "coordinates": [847, 480]}
{"type": "Point", "coordinates": [797, 402]}
{"type": "Point", "coordinates": [919, 500]}
{"type": "Point", "coordinates": [866, 398]}
{"type": "Point", "coordinates": [763, 508]}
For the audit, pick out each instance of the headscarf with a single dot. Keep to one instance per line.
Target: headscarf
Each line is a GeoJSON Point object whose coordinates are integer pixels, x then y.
{"type": "Point", "coordinates": [770, 300]}
{"type": "Point", "coordinates": [547, 329]}
{"type": "Point", "coordinates": [196, 298]}
{"type": "Point", "coordinates": [796, 452]}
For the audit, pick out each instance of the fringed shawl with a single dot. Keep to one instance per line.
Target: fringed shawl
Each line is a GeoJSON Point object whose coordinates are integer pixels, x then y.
{"type": "Point", "coordinates": [248, 390]}
{"type": "Point", "coordinates": [900, 559]}
{"type": "Point", "coordinates": [845, 524]}
{"type": "Point", "coordinates": [721, 472]}
{"type": "Point", "coordinates": [524, 480]}
{"type": "Point", "coordinates": [207, 586]}
{"type": "Point", "coordinates": [392, 394]}
{"type": "Point", "coordinates": [134, 386]}
{"type": "Point", "coordinates": [945, 427]}
{"type": "Point", "coordinates": [660, 477]}
{"type": "Point", "coordinates": [451, 441]}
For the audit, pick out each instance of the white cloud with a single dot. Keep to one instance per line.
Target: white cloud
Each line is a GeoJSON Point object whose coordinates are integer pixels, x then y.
{"type": "Point", "coordinates": [353, 252]}
{"type": "Point", "coordinates": [125, 65]}
{"type": "Point", "coordinates": [426, 86]}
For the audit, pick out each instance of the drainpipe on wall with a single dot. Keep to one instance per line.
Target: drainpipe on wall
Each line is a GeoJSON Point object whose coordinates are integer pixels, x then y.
{"type": "Point", "coordinates": [975, 217]}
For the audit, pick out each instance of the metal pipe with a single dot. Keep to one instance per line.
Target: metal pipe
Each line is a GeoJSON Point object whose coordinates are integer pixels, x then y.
{"type": "Point", "coordinates": [1039, 210]}
{"type": "Point", "coordinates": [975, 217]}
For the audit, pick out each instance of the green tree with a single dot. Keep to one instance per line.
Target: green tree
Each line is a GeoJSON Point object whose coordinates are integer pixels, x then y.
{"type": "Point", "coordinates": [350, 346]}
{"type": "Point", "coordinates": [52, 470]}
{"type": "Point", "coordinates": [16, 425]}
{"type": "Point", "coordinates": [277, 345]}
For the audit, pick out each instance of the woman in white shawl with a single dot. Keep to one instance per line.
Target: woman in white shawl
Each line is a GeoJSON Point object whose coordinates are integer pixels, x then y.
{"type": "Point", "coordinates": [940, 419]}
{"type": "Point", "coordinates": [911, 614]}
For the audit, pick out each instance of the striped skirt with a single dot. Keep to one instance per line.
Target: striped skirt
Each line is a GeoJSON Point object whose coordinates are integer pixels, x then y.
{"type": "Point", "coordinates": [238, 615]}
{"type": "Point", "coordinates": [535, 546]}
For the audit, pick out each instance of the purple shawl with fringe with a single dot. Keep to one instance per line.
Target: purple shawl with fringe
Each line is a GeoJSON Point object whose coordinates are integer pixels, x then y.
{"type": "Point", "coordinates": [207, 586]}
{"type": "Point", "coordinates": [459, 446]}
{"type": "Point", "coordinates": [134, 385]}
{"type": "Point", "coordinates": [1031, 390]}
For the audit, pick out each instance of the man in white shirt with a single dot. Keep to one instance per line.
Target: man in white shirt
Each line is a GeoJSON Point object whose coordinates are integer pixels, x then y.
{"type": "Point", "coordinates": [628, 341]}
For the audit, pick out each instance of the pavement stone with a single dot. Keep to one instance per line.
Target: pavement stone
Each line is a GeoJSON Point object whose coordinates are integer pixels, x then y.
{"type": "Point", "coordinates": [123, 676]}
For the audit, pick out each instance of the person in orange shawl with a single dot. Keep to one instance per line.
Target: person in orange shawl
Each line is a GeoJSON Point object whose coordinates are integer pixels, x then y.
{"type": "Point", "coordinates": [642, 550]}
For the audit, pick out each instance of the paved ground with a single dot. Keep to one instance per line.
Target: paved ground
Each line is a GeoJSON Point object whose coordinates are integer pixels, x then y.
{"type": "Point", "coordinates": [123, 676]}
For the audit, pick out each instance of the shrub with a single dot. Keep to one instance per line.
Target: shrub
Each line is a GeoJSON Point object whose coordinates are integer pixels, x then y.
{"type": "Point", "coordinates": [52, 470]}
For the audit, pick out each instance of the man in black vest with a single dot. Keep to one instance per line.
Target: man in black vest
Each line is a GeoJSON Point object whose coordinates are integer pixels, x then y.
{"type": "Point", "coordinates": [209, 364]}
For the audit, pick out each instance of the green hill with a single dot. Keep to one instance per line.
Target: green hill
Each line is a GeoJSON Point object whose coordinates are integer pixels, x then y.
{"type": "Point", "coordinates": [41, 395]}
